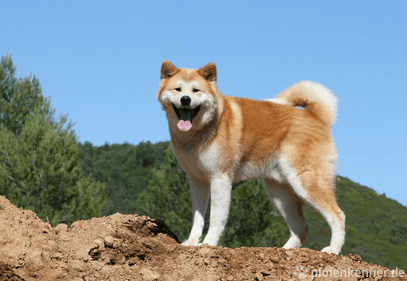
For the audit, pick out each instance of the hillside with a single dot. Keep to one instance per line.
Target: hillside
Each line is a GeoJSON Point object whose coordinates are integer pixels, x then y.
{"type": "Point", "coordinates": [130, 247]}
{"type": "Point", "coordinates": [376, 226]}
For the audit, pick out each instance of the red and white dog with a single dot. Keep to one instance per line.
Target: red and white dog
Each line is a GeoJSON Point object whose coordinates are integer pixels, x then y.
{"type": "Point", "coordinates": [221, 139]}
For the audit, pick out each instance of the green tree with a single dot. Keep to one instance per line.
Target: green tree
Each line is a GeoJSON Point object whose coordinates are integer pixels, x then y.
{"type": "Point", "coordinates": [253, 220]}
{"type": "Point", "coordinates": [39, 155]}
{"type": "Point", "coordinates": [18, 97]}
{"type": "Point", "coordinates": [125, 170]}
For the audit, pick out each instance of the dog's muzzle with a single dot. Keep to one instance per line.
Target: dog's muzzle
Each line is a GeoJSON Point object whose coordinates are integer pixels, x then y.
{"type": "Point", "coordinates": [186, 114]}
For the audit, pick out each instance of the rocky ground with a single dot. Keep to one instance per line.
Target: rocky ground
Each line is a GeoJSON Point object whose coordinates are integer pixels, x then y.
{"type": "Point", "coordinates": [130, 247]}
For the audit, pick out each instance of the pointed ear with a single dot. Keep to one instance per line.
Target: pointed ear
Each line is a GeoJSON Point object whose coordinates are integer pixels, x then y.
{"type": "Point", "coordinates": [168, 70]}
{"type": "Point", "coordinates": [209, 72]}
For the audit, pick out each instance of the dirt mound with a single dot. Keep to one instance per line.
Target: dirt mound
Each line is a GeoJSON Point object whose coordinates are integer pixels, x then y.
{"type": "Point", "coordinates": [129, 247]}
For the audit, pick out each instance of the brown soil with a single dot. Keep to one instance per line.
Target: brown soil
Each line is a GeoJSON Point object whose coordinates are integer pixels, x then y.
{"type": "Point", "coordinates": [130, 247]}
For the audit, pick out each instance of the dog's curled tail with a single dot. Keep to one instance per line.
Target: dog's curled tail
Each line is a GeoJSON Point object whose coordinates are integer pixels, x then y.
{"type": "Point", "coordinates": [314, 97]}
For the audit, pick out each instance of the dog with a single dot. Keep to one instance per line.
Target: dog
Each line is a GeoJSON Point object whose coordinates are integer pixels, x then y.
{"type": "Point", "coordinates": [220, 139]}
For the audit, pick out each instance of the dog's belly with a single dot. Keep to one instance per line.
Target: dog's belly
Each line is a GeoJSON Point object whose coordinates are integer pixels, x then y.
{"type": "Point", "coordinates": [251, 170]}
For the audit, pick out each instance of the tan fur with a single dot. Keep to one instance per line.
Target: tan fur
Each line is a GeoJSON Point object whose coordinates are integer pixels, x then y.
{"type": "Point", "coordinates": [233, 139]}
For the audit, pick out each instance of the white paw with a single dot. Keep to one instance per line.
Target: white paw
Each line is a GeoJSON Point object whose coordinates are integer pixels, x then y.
{"type": "Point", "coordinates": [330, 250]}
{"type": "Point", "coordinates": [189, 243]}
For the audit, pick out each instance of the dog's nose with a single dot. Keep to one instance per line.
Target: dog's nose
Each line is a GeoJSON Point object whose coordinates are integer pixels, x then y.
{"type": "Point", "coordinates": [185, 100]}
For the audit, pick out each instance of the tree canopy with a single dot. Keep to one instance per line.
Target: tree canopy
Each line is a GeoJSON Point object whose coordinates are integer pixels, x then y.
{"type": "Point", "coordinates": [39, 154]}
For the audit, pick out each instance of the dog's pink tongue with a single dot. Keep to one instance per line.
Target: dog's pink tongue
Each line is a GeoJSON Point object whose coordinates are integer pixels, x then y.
{"type": "Point", "coordinates": [184, 125]}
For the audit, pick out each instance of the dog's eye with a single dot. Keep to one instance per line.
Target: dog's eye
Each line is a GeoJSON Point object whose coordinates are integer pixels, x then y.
{"type": "Point", "coordinates": [195, 90]}
{"type": "Point", "coordinates": [178, 89]}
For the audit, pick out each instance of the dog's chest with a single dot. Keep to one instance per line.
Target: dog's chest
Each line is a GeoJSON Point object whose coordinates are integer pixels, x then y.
{"type": "Point", "coordinates": [199, 163]}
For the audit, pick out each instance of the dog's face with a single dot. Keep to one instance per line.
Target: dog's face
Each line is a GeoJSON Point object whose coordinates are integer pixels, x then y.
{"type": "Point", "coordinates": [189, 96]}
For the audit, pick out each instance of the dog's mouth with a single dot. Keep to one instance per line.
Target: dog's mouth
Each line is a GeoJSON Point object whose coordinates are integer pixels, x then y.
{"type": "Point", "coordinates": [186, 116]}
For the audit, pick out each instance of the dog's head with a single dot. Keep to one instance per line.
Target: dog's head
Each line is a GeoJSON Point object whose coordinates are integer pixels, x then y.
{"type": "Point", "coordinates": [189, 96]}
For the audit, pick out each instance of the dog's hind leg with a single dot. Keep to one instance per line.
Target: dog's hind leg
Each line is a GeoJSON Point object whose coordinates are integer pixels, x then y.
{"type": "Point", "coordinates": [199, 196]}
{"type": "Point", "coordinates": [323, 200]}
{"type": "Point", "coordinates": [319, 193]}
{"type": "Point", "coordinates": [290, 207]}
{"type": "Point", "coordinates": [221, 192]}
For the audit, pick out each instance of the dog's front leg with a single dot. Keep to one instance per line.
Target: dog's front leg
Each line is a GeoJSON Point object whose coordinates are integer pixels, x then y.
{"type": "Point", "coordinates": [199, 196]}
{"type": "Point", "coordinates": [221, 191]}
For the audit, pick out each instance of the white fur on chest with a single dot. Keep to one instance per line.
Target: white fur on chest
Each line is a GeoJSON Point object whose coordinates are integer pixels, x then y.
{"type": "Point", "coordinates": [200, 163]}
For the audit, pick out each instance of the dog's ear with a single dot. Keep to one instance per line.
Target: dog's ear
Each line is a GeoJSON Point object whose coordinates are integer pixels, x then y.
{"type": "Point", "coordinates": [168, 70]}
{"type": "Point", "coordinates": [209, 72]}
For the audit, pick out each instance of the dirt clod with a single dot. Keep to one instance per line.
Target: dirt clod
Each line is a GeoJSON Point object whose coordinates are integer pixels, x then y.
{"type": "Point", "coordinates": [62, 227]}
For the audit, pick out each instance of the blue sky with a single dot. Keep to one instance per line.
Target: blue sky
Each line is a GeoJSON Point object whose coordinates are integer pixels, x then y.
{"type": "Point", "coordinates": [99, 62]}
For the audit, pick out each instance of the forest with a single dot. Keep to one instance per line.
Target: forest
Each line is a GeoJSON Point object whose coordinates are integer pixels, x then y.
{"type": "Point", "coordinates": [44, 168]}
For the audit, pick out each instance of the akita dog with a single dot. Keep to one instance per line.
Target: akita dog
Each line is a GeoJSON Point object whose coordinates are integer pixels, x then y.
{"type": "Point", "coordinates": [221, 139]}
